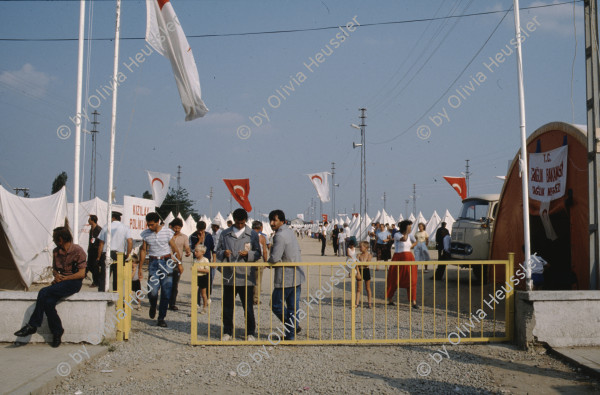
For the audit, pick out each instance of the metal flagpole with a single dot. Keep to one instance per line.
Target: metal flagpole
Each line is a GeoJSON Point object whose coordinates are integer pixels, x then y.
{"type": "Point", "coordinates": [523, 160]}
{"type": "Point", "coordinates": [113, 127]}
{"type": "Point", "coordinates": [79, 120]}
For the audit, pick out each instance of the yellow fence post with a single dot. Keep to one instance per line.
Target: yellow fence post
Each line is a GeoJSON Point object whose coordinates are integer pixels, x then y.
{"type": "Point", "coordinates": [510, 298]}
{"type": "Point", "coordinates": [194, 282]}
{"type": "Point", "coordinates": [127, 295]}
{"type": "Point", "coordinates": [353, 300]}
{"type": "Point", "coordinates": [120, 303]}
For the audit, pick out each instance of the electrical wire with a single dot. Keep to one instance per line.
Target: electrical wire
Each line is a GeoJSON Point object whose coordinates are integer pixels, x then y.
{"type": "Point", "coordinates": [449, 87]}
{"type": "Point", "coordinates": [406, 21]}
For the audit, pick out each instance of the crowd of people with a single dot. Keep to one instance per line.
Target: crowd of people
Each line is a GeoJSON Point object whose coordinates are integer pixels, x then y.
{"type": "Point", "coordinates": [164, 246]}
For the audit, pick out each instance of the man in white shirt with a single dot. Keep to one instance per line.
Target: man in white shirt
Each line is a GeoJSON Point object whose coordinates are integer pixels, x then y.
{"type": "Point", "coordinates": [159, 245]}
{"type": "Point", "coordinates": [120, 241]}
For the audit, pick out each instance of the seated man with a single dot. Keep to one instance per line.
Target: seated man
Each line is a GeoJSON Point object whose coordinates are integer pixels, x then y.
{"type": "Point", "coordinates": [68, 267]}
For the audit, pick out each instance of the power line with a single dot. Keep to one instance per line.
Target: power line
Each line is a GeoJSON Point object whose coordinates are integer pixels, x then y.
{"type": "Point", "coordinates": [449, 86]}
{"type": "Point", "coordinates": [406, 21]}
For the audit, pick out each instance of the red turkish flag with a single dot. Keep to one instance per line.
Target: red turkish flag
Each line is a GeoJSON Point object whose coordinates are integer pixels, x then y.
{"type": "Point", "coordinates": [240, 189]}
{"type": "Point", "coordinates": [459, 184]}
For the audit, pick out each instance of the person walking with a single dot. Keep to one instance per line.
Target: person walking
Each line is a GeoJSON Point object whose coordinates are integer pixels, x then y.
{"type": "Point", "coordinates": [403, 276]}
{"type": "Point", "coordinates": [440, 234]}
{"type": "Point", "coordinates": [421, 251]}
{"type": "Point", "coordinates": [158, 243]}
{"type": "Point", "coordinates": [287, 280]}
{"type": "Point", "coordinates": [181, 240]}
{"type": "Point", "coordinates": [238, 243]}
{"type": "Point", "coordinates": [334, 238]}
{"type": "Point", "coordinates": [323, 237]}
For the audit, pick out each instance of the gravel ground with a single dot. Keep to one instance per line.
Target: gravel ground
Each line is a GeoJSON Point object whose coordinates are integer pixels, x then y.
{"type": "Point", "coordinates": [157, 360]}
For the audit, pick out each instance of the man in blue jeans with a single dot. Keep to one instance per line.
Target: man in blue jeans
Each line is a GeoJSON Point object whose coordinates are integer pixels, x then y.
{"type": "Point", "coordinates": [287, 280]}
{"type": "Point", "coordinates": [158, 244]}
{"type": "Point", "coordinates": [68, 267]}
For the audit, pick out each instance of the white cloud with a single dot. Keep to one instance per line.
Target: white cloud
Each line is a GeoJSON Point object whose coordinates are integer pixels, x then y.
{"type": "Point", "coordinates": [27, 81]}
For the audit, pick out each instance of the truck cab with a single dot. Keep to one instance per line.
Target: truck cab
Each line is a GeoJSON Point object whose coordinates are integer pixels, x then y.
{"type": "Point", "coordinates": [472, 231]}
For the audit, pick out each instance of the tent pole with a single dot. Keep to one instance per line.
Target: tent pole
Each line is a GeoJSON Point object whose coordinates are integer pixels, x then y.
{"type": "Point", "coordinates": [79, 120]}
{"type": "Point", "coordinates": [523, 160]}
{"type": "Point", "coordinates": [111, 162]}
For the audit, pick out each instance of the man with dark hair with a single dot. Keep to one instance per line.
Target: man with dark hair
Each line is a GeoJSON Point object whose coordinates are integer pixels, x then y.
{"type": "Point", "coordinates": [181, 240]}
{"type": "Point", "coordinates": [334, 238]}
{"type": "Point", "coordinates": [238, 243]}
{"type": "Point", "coordinates": [158, 243]}
{"type": "Point", "coordinates": [120, 241]}
{"type": "Point", "coordinates": [257, 226]}
{"type": "Point", "coordinates": [323, 237]}
{"type": "Point", "coordinates": [203, 237]}
{"type": "Point", "coordinates": [229, 223]}
{"type": "Point", "coordinates": [68, 268]}
{"type": "Point", "coordinates": [287, 280]}
{"type": "Point", "coordinates": [92, 250]}
{"type": "Point", "coordinates": [443, 253]}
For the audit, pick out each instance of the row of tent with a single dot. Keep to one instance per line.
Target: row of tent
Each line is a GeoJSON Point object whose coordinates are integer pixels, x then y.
{"type": "Point", "coordinates": [26, 226]}
{"type": "Point", "coordinates": [360, 228]}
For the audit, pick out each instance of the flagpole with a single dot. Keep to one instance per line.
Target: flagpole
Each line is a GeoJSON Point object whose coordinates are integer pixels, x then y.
{"type": "Point", "coordinates": [79, 120]}
{"type": "Point", "coordinates": [113, 127]}
{"type": "Point", "coordinates": [523, 160]}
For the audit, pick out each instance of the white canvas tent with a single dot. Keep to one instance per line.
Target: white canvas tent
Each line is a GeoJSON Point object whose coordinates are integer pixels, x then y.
{"type": "Point", "coordinates": [169, 218]}
{"type": "Point", "coordinates": [433, 224]}
{"type": "Point", "coordinates": [95, 206]}
{"type": "Point", "coordinates": [449, 220]}
{"type": "Point", "coordinates": [26, 245]}
{"type": "Point", "coordinates": [190, 226]}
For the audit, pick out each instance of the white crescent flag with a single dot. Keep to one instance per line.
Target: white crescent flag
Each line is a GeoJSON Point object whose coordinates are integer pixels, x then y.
{"type": "Point", "coordinates": [301, 216]}
{"type": "Point", "coordinates": [165, 35]}
{"type": "Point", "coordinates": [321, 183]}
{"type": "Point", "coordinates": [159, 182]}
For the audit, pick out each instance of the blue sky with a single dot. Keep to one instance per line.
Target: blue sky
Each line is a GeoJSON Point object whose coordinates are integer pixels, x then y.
{"type": "Point", "coordinates": [396, 71]}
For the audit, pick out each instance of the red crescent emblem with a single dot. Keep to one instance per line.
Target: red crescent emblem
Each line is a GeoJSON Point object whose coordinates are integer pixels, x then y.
{"type": "Point", "coordinates": [319, 177]}
{"type": "Point", "coordinates": [159, 180]}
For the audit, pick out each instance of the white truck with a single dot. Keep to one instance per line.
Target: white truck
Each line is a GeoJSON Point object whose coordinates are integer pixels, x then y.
{"type": "Point", "coordinates": [472, 231]}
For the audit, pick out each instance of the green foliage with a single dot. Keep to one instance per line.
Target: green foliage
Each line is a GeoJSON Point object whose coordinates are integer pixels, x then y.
{"type": "Point", "coordinates": [147, 195]}
{"type": "Point", "coordinates": [59, 182]}
{"type": "Point", "coordinates": [177, 201]}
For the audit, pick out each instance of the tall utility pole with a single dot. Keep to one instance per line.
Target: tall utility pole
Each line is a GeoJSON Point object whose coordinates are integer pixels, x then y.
{"type": "Point", "coordinates": [384, 199]}
{"type": "Point", "coordinates": [94, 132]}
{"type": "Point", "coordinates": [363, 214]}
{"type": "Point", "coordinates": [593, 122]}
{"type": "Point", "coordinates": [414, 199]}
{"type": "Point", "coordinates": [333, 191]}
{"type": "Point", "coordinates": [178, 188]}
{"type": "Point", "coordinates": [210, 196]}
{"type": "Point", "coordinates": [467, 174]}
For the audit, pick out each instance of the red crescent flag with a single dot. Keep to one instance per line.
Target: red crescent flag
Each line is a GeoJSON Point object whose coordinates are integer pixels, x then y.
{"type": "Point", "coordinates": [459, 184]}
{"type": "Point", "coordinates": [240, 189]}
{"type": "Point", "coordinates": [159, 183]}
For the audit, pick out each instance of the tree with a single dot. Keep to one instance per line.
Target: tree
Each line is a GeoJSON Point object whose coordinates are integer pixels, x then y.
{"type": "Point", "coordinates": [147, 195]}
{"type": "Point", "coordinates": [59, 182]}
{"type": "Point", "coordinates": [177, 201]}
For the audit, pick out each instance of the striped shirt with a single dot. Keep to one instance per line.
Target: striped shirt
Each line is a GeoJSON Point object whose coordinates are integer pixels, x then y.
{"type": "Point", "coordinates": [158, 243]}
